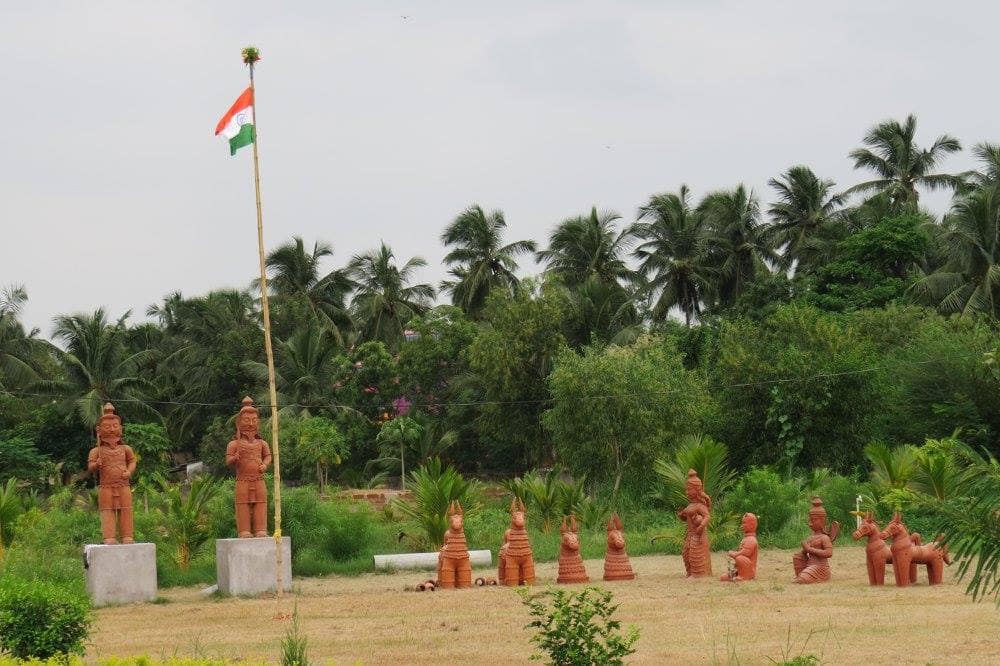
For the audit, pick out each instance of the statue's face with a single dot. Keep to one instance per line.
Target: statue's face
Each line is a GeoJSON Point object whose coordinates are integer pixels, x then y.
{"type": "Point", "coordinates": [109, 430]}
{"type": "Point", "coordinates": [749, 523]}
{"type": "Point", "coordinates": [693, 493]}
{"type": "Point", "coordinates": [247, 423]}
{"type": "Point", "coordinates": [817, 523]}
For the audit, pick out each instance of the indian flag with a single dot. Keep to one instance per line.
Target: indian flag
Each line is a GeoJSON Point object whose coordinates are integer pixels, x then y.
{"type": "Point", "coordinates": [237, 124]}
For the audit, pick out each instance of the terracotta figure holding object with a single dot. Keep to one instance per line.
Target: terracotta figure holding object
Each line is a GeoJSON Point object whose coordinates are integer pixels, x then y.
{"type": "Point", "coordinates": [745, 559]}
{"type": "Point", "coordinates": [812, 563]}
{"type": "Point", "coordinates": [114, 462]}
{"type": "Point", "coordinates": [250, 455]}
{"type": "Point", "coordinates": [696, 553]}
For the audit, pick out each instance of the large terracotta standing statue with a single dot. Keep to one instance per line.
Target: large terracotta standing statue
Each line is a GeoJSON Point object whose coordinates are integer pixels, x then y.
{"type": "Point", "coordinates": [516, 564]}
{"type": "Point", "coordinates": [454, 568]}
{"type": "Point", "coordinates": [908, 552]}
{"type": "Point", "coordinates": [877, 553]}
{"type": "Point", "coordinates": [616, 564]}
{"type": "Point", "coordinates": [812, 563]}
{"type": "Point", "coordinates": [696, 553]}
{"type": "Point", "coordinates": [745, 559]}
{"type": "Point", "coordinates": [250, 455]}
{"type": "Point", "coordinates": [571, 569]}
{"type": "Point", "coordinates": [114, 462]}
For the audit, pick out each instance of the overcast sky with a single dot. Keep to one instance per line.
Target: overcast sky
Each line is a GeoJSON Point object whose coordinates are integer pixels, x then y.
{"type": "Point", "coordinates": [383, 120]}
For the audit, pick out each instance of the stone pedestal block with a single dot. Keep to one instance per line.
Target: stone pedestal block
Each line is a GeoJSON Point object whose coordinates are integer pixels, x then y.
{"type": "Point", "coordinates": [120, 574]}
{"type": "Point", "coordinates": [247, 566]}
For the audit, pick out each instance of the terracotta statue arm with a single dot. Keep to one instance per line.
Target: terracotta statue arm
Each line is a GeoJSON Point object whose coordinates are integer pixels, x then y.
{"type": "Point", "coordinates": [232, 453]}
{"type": "Point", "coordinates": [130, 462]}
{"type": "Point", "coordinates": [824, 549]}
{"type": "Point", "coordinates": [265, 458]}
{"type": "Point", "coordinates": [94, 460]}
{"type": "Point", "coordinates": [744, 550]}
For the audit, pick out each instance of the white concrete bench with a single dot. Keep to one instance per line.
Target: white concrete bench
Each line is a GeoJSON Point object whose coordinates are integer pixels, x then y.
{"type": "Point", "coordinates": [479, 558]}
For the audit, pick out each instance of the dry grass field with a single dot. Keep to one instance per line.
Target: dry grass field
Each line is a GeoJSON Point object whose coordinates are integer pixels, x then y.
{"type": "Point", "coordinates": [372, 620]}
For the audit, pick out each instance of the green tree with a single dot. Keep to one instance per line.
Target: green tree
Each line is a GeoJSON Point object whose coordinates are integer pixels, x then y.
{"type": "Point", "coordinates": [709, 458]}
{"type": "Point", "coordinates": [480, 260]}
{"type": "Point", "coordinates": [434, 488]}
{"type": "Point", "coordinates": [399, 433]}
{"type": "Point", "coordinates": [615, 410]}
{"type": "Point", "coordinates": [20, 350]}
{"type": "Point", "coordinates": [319, 442]}
{"type": "Point", "coordinates": [385, 300]}
{"type": "Point", "coordinates": [588, 247]}
{"type": "Point", "coordinates": [900, 165]}
{"type": "Point", "coordinates": [151, 446]}
{"type": "Point", "coordinates": [737, 241]}
{"type": "Point", "coordinates": [673, 255]}
{"type": "Point", "coordinates": [804, 224]}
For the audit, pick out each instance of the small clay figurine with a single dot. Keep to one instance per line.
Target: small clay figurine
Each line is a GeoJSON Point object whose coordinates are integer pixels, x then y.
{"type": "Point", "coordinates": [454, 568]}
{"type": "Point", "coordinates": [812, 563]}
{"type": "Point", "coordinates": [114, 463]}
{"type": "Point", "coordinates": [745, 559]}
{"type": "Point", "coordinates": [516, 564]}
{"type": "Point", "coordinates": [571, 569]}
{"type": "Point", "coordinates": [250, 455]}
{"type": "Point", "coordinates": [696, 554]}
{"type": "Point", "coordinates": [616, 563]}
{"type": "Point", "coordinates": [907, 554]}
{"type": "Point", "coordinates": [877, 553]}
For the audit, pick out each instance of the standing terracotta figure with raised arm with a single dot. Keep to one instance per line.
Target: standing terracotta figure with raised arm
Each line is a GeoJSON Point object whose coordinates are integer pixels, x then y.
{"type": "Point", "coordinates": [114, 463]}
{"type": "Point", "coordinates": [745, 559]}
{"type": "Point", "coordinates": [250, 455]}
{"type": "Point", "coordinates": [812, 563]}
{"type": "Point", "coordinates": [696, 553]}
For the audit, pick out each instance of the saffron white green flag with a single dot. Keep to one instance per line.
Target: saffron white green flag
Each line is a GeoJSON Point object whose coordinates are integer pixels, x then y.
{"type": "Point", "coordinates": [237, 124]}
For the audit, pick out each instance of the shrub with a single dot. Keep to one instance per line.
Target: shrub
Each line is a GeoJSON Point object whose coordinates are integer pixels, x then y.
{"type": "Point", "coordinates": [578, 628]}
{"type": "Point", "coordinates": [762, 492]}
{"type": "Point", "coordinates": [434, 488]}
{"type": "Point", "coordinates": [41, 620]}
{"type": "Point", "coordinates": [704, 455]}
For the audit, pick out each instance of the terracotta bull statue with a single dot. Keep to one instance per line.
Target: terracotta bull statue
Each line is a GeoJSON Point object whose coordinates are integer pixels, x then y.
{"type": "Point", "coordinates": [516, 564]}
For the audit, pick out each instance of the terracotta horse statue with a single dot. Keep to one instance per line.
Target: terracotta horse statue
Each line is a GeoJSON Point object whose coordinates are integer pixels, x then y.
{"type": "Point", "coordinates": [571, 569]}
{"type": "Point", "coordinates": [516, 564]}
{"type": "Point", "coordinates": [616, 564]}
{"type": "Point", "coordinates": [454, 568]}
{"type": "Point", "coordinates": [906, 554]}
{"type": "Point", "coordinates": [877, 552]}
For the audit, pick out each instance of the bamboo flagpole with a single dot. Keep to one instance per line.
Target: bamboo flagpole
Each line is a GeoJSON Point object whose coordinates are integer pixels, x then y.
{"type": "Point", "coordinates": [251, 55]}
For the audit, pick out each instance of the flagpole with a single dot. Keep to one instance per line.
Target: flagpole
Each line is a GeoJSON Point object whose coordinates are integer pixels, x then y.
{"type": "Point", "coordinates": [250, 56]}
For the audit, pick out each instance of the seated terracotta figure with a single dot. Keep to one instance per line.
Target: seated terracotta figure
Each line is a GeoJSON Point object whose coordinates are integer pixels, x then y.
{"type": "Point", "coordinates": [571, 569]}
{"type": "Point", "coordinates": [745, 559]}
{"type": "Point", "coordinates": [454, 568]}
{"type": "Point", "coordinates": [812, 563]}
{"type": "Point", "coordinates": [696, 551]}
{"type": "Point", "coordinates": [516, 563]}
{"type": "Point", "coordinates": [616, 564]}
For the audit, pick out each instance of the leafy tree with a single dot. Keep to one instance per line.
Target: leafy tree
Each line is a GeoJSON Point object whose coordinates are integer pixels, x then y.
{"type": "Point", "coordinates": [429, 362]}
{"type": "Point", "coordinates": [737, 241]}
{"type": "Point", "coordinates": [508, 363]}
{"type": "Point", "coordinates": [11, 507]}
{"type": "Point", "coordinates": [480, 260]}
{"type": "Point", "coordinates": [385, 300]}
{"type": "Point", "coordinates": [151, 446]}
{"type": "Point", "coordinates": [98, 367]}
{"type": "Point", "coordinates": [673, 255]}
{"type": "Point", "coordinates": [615, 410]}
{"type": "Point", "coordinates": [588, 247]}
{"type": "Point", "coordinates": [874, 266]}
{"type": "Point", "coordinates": [900, 165]}
{"type": "Point", "coordinates": [399, 433]}
{"type": "Point", "coordinates": [319, 442]}
{"type": "Point", "coordinates": [804, 221]}
{"type": "Point", "coordinates": [20, 350]}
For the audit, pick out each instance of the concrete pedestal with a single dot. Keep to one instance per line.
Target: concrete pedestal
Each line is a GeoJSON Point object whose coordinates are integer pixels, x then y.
{"type": "Point", "coordinates": [120, 574]}
{"type": "Point", "coordinates": [247, 566]}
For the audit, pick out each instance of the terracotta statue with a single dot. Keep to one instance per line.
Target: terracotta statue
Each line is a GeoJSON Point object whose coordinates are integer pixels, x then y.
{"type": "Point", "coordinates": [250, 455]}
{"type": "Point", "coordinates": [877, 552]}
{"type": "Point", "coordinates": [812, 563]}
{"type": "Point", "coordinates": [907, 553]}
{"type": "Point", "coordinates": [616, 564]}
{"type": "Point", "coordinates": [517, 566]}
{"type": "Point", "coordinates": [696, 553]}
{"type": "Point", "coordinates": [114, 463]}
{"type": "Point", "coordinates": [454, 568]}
{"type": "Point", "coordinates": [571, 569]}
{"type": "Point", "coordinates": [745, 559]}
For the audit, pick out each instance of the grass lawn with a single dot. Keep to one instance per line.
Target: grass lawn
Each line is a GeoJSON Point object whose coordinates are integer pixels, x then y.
{"type": "Point", "coordinates": [371, 619]}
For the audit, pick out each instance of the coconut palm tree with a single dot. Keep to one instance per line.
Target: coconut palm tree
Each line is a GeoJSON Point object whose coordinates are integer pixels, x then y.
{"type": "Point", "coordinates": [385, 300]}
{"type": "Point", "coordinates": [20, 350]}
{"type": "Point", "coordinates": [480, 260]}
{"type": "Point", "coordinates": [295, 274]}
{"type": "Point", "coordinates": [969, 281]}
{"type": "Point", "coordinates": [98, 366]}
{"type": "Point", "coordinates": [989, 155]}
{"type": "Point", "coordinates": [900, 165]}
{"type": "Point", "coordinates": [737, 241]}
{"type": "Point", "coordinates": [804, 224]}
{"type": "Point", "coordinates": [672, 255]}
{"type": "Point", "coordinates": [588, 247]}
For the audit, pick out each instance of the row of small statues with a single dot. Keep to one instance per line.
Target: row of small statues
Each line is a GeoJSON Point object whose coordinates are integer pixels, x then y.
{"type": "Point", "coordinates": [811, 564]}
{"type": "Point", "coordinates": [114, 462]}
